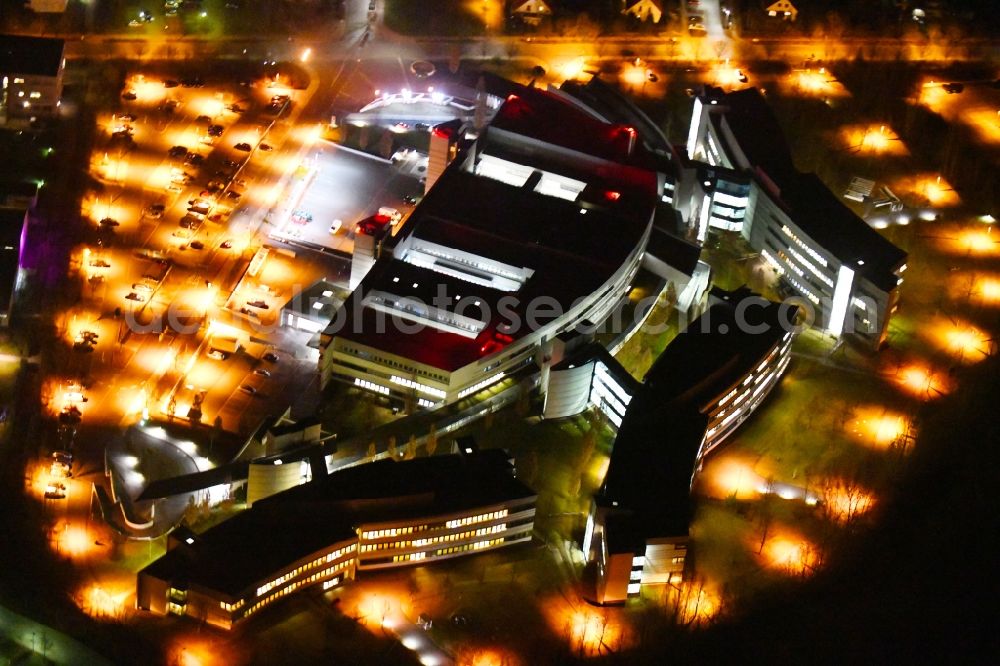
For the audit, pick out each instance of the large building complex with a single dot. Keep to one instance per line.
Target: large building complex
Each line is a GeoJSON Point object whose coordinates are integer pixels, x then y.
{"type": "Point", "coordinates": [374, 516]}
{"type": "Point", "coordinates": [742, 179]}
{"type": "Point", "coordinates": [31, 77]}
{"type": "Point", "coordinates": [537, 227]}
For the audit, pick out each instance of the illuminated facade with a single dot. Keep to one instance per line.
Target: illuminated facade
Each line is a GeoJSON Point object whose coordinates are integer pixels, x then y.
{"type": "Point", "coordinates": [844, 272]}
{"type": "Point", "coordinates": [374, 516]}
{"type": "Point", "coordinates": [31, 77]}
{"type": "Point", "coordinates": [509, 249]}
{"type": "Point", "coordinates": [705, 384]}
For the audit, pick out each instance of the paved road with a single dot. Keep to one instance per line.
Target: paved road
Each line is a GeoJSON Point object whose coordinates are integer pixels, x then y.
{"type": "Point", "coordinates": [389, 46]}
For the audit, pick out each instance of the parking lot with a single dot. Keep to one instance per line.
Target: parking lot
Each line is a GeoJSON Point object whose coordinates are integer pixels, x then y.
{"type": "Point", "coordinates": [344, 185]}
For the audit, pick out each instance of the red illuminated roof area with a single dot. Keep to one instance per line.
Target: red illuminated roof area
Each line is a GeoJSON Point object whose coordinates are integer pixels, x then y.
{"type": "Point", "coordinates": [544, 116]}
{"type": "Point", "coordinates": [376, 225]}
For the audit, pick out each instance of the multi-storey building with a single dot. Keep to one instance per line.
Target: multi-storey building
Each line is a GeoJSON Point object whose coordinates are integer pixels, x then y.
{"type": "Point", "coordinates": [743, 179]}
{"type": "Point", "coordinates": [31, 77]}
{"type": "Point", "coordinates": [320, 534]}
{"type": "Point", "coordinates": [706, 383]}
{"type": "Point", "coordinates": [536, 228]}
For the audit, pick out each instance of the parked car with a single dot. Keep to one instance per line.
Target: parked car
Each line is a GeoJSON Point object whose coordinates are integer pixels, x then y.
{"type": "Point", "coordinates": [155, 211]}
{"type": "Point", "coordinates": [178, 151]}
{"type": "Point", "coordinates": [263, 372]}
{"type": "Point", "coordinates": [243, 146]}
{"type": "Point", "coordinates": [249, 390]}
{"type": "Point", "coordinates": [270, 357]}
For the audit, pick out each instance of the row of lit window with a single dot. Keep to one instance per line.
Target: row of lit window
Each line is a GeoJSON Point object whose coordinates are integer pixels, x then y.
{"type": "Point", "coordinates": [368, 548]}
{"type": "Point", "coordinates": [329, 557]}
{"type": "Point", "coordinates": [390, 532]}
{"type": "Point", "coordinates": [795, 283]}
{"type": "Point", "coordinates": [482, 531]}
{"type": "Point", "coordinates": [469, 520]}
{"type": "Point", "coordinates": [293, 587]}
{"type": "Point", "coordinates": [811, 252]}
{"type": "Point", "coordinates": [371, 386]}
{"type": "Point", "coordinates": [409, 383]}
{"type": "Point", "coordinates": [479, 545]}
{"type": "Point", "coordinates": [481, 385]}
{"type": "Point", "coordinates": [409, 557]}
{"type": "Point", "coordinates": [825, 279]}
{"type": "Point", "coordinates": [231, 607]}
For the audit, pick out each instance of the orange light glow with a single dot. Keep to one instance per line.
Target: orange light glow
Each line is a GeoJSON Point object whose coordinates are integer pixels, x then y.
{"type": "Point", "coordinates": [725, 477]}
{"type": "Point", "coordinates": [980, 242]}
{"type": "Point", "coordinates": [72, 539]}
{"type": "Point", "coordinates": [933, 96]}
{"type": "Point", "coordinates": [103, 602]}
{"type": "Point", "coordinates": [873, 140]}
{"type": "Point", "coordinates": [963, 341]}
{"type": "Point", "coordinates": [587, 630]}
{"type": "Point", "coordinates": [989, 290]}
{"type": "Point", "coordinates": [492, 656]}
{"type": "Point", "coordinates": [572, 69]}
{"type": "Point", "coordinates": [877, 427]}
{"type": "Point", "coordinates": [634, 76]}
{"type": "Point", "coordinates": [196, 652]}
{"type": "Point", "coordinates": [728, 76]}
{"type": "Point", "coordinates": [843, 501]}
{"type": "Point", "coordinates": [922, 382]}
{"type": "Point", "coordinates": [816, 82]}
{"type": "Point", "coordinates": [930, 188]}
{"type": "Point", "coordinates": [693, 603]}
{"type": "Point", "coordinates": [790, 553]}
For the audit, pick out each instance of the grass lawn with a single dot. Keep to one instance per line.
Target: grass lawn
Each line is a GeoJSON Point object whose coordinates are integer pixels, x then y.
{"type": "Point", "coordinates": [433, 17]}
{"type": "Point", "coordinates": [564, 461]}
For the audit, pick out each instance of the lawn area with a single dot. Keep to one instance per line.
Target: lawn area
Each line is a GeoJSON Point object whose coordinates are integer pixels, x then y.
{"type": "Point", "coordinates": [564, 461]}
{"type": "Point", "coordinates": [434, 17]}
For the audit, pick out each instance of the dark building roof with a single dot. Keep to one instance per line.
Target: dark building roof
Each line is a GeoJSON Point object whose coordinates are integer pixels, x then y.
{"type": "Point", "coordinates": [303, 302]}
{"type": "Point", "coordinates": [291, 525]}
{"type": "Point", "coordinates": [615, 107]}
{"type": "Point", "coordinates": [571, 255]}
{"type": "Point", "coordinates": [656, 450]}
{"type": "Point", "coordinates": [756, 129]}
{"type": "Point", "coordinates": [820, 214]}
{"type": "Point", "coordinates": [674, 251]}
{"type": "Point", "coordinates": [31, 56]}
{"type": "Point", "coordinates": [546, 117]}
